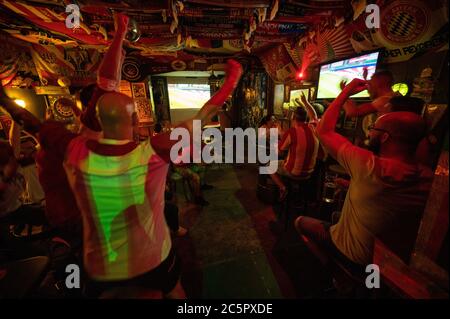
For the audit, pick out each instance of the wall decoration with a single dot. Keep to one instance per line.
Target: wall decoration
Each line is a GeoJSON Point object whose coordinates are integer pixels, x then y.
{"type": "Point", "coordinates": [77, 64]}
{"type": "Point", "coordinates": [160, 98]}
{"type": "Point", "coordinates": [60, 111]}
{"type": "Point", "coordinates": [16, 67]}
{"type": "Point", "coordinates": [132, 69]}
{"type": "Point", "coordinates": [142, 102]}
{"type": "Point", "coordinates": [278, 64]}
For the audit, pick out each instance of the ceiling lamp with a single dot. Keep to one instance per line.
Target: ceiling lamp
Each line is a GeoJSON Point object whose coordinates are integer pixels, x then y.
{"type": "Point", "coordinates": [134, 33]}
{"type": "Point", "coordinates": [20, 102]}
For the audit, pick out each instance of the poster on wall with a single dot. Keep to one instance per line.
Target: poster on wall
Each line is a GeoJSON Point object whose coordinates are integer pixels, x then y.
{"type": "Point", "coordinates": [142, 102]}
{"type": "Point", "coordinates": [278, 64]}
{"type": "Point", "coordinates": [77, 65]}
{"type": "Point", "coordinates": [407, 29]}
{"type": "Point", "coordinates": [62, 112]}
{"type": "Point", "coordinates": [16, 66]}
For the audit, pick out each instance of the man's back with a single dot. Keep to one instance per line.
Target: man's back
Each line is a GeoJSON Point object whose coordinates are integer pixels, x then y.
{"type": "Point", "coordinates": [386, 200]}
{"type": "Point", "coordinates": [303, 146]}
{"type": "Point", "coordinates": [119, 187]}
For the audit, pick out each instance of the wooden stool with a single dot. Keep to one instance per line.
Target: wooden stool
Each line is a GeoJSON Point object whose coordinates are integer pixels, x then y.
{"type": "Point", "coordinates": [174, 178]}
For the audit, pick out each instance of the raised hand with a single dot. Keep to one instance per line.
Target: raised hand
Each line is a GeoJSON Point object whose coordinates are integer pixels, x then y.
{"type": "Point", "coordinates": [342, 84]}
{"type": "Point", "coordinates": [297, 100]}
{"type": "Point", "coordinates": [303, 98]}
{"type": "Point", "coordinates": [121, 22]}
{"type": "Point", "coordinates": [356, 86]}
{"type": "Point", "coordinates": [233, 71]}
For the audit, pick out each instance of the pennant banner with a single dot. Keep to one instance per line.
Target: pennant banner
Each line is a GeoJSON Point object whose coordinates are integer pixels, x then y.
{"type": "Point", "coordinates": [278, 64]}
{"type": "Point", "coordinates": [407, 29]}
{"type": "Point", "coordinates": [78, 65]}
{"type": "Point", "coordinates": [16, 66]}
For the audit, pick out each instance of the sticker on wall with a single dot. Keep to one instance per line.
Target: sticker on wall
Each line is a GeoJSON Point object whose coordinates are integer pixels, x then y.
{"type": "Point", "coordinates": [131, 69]}
{"type": "Point", "coordinates": [178, 65]}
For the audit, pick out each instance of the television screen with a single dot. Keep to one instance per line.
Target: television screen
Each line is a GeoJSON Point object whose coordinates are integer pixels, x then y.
{"type": "Point", "coordinates": [188, 95]}
{"type": "Point", "coordinates": [295, 94]}
{"type": "Point", "coordinates": [333, 73]}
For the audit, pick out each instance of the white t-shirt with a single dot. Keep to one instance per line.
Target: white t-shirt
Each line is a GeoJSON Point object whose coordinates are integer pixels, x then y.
{"type": "Point", "coordinates": [386, 199]}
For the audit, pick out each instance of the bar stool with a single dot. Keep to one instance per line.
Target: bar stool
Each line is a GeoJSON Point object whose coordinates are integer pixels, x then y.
{"type": "Point", "coordinates": [185, 184]}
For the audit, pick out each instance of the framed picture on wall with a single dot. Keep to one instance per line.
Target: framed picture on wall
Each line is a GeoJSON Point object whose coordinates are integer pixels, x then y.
{"type": "Point", "coordinates": [62, 112]}
{"type": "Point", "coordinates": [160, 98]}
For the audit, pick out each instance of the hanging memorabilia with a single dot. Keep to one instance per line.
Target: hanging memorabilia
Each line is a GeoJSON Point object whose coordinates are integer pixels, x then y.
{"type": "Point", "coordinates": [278, 64]}
{"type": "Point", "coordinates": [77, 64]}
{"type": "Point", "coordinates": [16, 67]}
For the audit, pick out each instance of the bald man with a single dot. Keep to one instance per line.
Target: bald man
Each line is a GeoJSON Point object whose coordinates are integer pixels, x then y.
{"type": "Point", "coordinates": [119, 187]}
{"type": "Point", "coordinates": [388, 187]}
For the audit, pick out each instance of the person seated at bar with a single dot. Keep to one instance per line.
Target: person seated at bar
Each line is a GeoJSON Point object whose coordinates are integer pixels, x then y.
{"type": "Point", "coordinates": [387, 192]}
{"type": "Point", "coordinates": [302, 145]}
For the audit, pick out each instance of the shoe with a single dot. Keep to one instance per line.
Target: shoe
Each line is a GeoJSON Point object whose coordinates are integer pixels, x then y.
{"type": "Point", "coordinates": [201, 201]}
{"type": "Point", "coordinates": [181, 232]}
{"type": "Point", "coordinates": [206, 187]}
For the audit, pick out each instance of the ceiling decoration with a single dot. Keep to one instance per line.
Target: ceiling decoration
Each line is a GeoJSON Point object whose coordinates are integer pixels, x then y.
{"type": "Point", "coordinates": [167, 26]}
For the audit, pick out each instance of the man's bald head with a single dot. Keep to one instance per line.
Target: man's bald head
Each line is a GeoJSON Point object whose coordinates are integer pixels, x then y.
{"type": "Point", "coordinates": [116, 112]}
{"type": "Point", "coordinates": [404, 128]}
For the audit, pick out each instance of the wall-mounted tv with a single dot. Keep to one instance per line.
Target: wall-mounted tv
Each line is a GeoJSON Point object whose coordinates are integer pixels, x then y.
{"type": "Point", "coordinates": [295, 94]}
{"type": "Point", "coordinates": [332, 74]}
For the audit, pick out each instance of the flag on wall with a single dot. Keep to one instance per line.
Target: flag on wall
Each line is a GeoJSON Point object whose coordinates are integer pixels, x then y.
{"type": "Point", "coordinates": [278, 63]}
{"type": "Point", "coordinates": [77, 64]}
{"type": "Point", "coordinates": [16, 67]}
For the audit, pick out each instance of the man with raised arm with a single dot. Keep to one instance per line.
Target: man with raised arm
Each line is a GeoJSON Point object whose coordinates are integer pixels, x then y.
{"type": "Point", "coordinates": [119, 187]}
{"type": "Point", "coordinates": [302, 145]}
{"type": "Point", "coordinates": [61, 208]}
{"type": "Point", "coordinates": [388, 187]}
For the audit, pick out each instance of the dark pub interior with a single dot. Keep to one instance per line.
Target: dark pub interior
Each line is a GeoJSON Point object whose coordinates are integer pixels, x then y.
{"type": "Point", "coordinates": [212, 149]}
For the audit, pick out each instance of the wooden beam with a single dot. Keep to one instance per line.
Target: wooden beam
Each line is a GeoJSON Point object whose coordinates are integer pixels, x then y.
{"type": "Point", "coordinates": [234, 3]}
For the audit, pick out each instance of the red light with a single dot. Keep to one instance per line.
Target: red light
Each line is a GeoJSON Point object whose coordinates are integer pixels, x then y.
{"type": "Point", "coordinates": [299, 75]}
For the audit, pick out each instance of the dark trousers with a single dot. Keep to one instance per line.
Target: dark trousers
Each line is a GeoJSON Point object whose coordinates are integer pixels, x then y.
{"type": "Point", "coordinates": [171, 214]}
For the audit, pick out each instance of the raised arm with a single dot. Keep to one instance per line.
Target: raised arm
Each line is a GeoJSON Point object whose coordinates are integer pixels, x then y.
{"type": "Point", "coordinates": [109, 72]}
{"type": "Point", "coordinates": [19, 114]}
{"type": "Point", "coordinates": [162, 143]}
{"type": "Point", "coordinates": [326, 128]}
{"type": "Point", "coordinates": [352, 110]}
{"type": "Point", "coordinates": [213, 106]}
{"type": "Point", "coordinates": [309, 109]}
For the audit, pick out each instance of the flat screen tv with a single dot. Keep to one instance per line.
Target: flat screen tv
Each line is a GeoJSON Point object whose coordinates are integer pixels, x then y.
{"type": "Point", "coordinates": [188, 95]}
{"type": "Point", "coordinates": [295, 94]}
{"type": "Point", "coordinates": [332, 74]}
